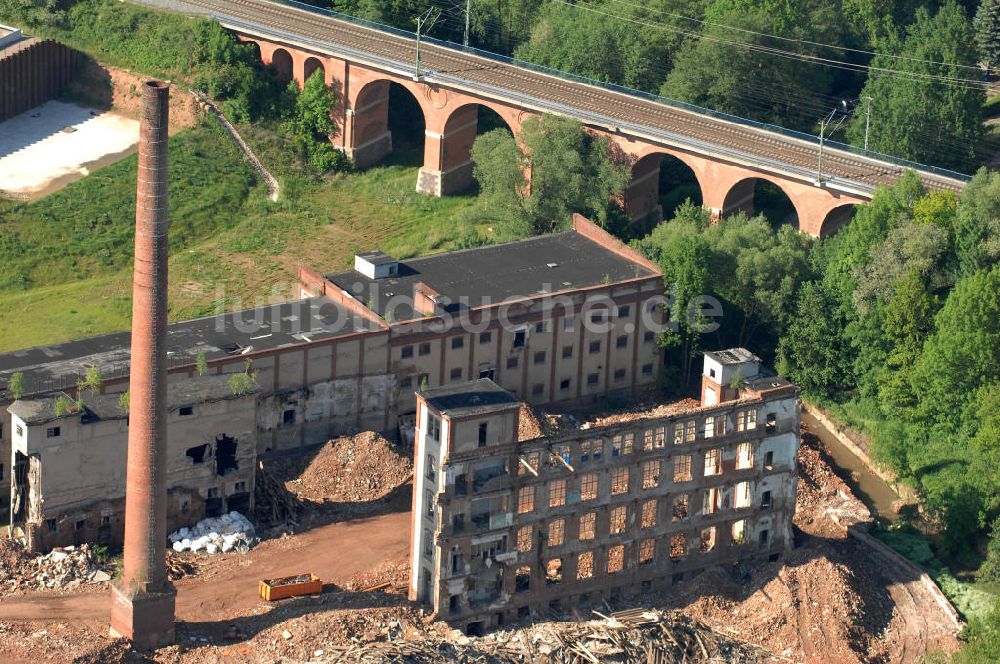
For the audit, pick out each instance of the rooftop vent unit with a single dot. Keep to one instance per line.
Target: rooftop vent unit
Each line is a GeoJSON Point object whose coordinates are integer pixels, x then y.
{"type": "Point", "coordinates": [376, 265]}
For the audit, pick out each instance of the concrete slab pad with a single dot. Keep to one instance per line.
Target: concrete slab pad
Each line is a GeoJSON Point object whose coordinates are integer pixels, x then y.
{"type": "Point", "coordinates": [46, 148]}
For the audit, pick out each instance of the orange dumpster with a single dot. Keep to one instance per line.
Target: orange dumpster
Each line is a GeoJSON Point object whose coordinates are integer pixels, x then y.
{"type": "Point", "coordinates": [290, 586]}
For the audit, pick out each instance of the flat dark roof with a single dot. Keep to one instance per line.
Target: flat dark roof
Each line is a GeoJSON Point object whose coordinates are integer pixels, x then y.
{"type": "Point", "coordinates": [489, 275]}
{"type": "Point", "coordinates": [58, 366]}
{"type": "Point", "coordinates": [476, 397]}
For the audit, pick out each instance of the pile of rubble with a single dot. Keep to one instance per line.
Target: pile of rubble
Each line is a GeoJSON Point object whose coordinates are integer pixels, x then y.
{"type": "Point", "coordinates": [626, 636]}
{"type": "Point", "coordinates": [361, 468]}
{"type": "Point", "coordinates": [642, 411]}
{"type": "Point", "coordinates": [229, 532]}
{"type": "Point", "coordinates": [63, 568]}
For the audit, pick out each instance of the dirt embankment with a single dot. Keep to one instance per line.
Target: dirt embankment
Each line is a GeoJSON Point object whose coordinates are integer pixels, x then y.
{"type": "Point", "coordinates": [120, 91]}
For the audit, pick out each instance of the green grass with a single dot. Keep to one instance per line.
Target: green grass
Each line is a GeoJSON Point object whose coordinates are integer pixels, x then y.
{"type": "Point", "coordinates": [65, 276]}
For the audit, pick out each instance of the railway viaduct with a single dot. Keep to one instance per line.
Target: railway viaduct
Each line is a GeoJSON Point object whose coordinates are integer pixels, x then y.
{"type": "Point", "coordinates": [727, 156]}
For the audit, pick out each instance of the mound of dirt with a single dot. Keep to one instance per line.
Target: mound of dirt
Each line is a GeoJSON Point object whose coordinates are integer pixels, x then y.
{"type": "Point", "coordinates": [16, 564]}
{"type": "Point", "coordinates": [360, 468]}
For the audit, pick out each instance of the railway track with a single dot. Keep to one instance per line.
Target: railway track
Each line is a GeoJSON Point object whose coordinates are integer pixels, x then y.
{"type": "Point", "coordinates": [592, 104]}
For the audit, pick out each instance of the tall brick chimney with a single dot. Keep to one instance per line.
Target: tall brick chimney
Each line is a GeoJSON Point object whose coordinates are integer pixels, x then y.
{"type": "Point", "coordinates": [143, 600]}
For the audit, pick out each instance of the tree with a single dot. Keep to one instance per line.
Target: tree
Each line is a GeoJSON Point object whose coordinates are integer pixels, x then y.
{"type": "Point", "coordinates": [124, 401]}
{"type": "Point", "coordinates": [987, 24]}
{"type": "Point", "coordinates": [977, 225]}
{"type": "Point", "coordinates": [716, 71]}
{"type": "Point", "coordinates": [16, 385]}
{"type": "Point", "coordinates": [32, 13]}
{"type": "Point", "coordinates": [201, 364]}
{"type": "Point", "coordinates": [962, 353]}
{"type": "Point", "coordinates": [92, 381]}
{"type": "Point", "coordinates": [812, 351]}
{"type": "Point", "coordinates": [925, 120]}
{"type": "Point", "coordinates": [571, 171]}
{"type": "Point", "coordinates": [311, 125]}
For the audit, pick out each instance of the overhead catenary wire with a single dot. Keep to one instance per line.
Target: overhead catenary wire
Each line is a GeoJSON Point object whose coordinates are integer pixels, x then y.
{"type": "Point", "coordinates": [975, 84]}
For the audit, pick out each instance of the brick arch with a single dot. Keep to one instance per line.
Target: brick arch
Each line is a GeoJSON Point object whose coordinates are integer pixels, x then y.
{"type": "Point", "coordinates": [837, 218]}
{"type": "Point", "coordinates": [283, 63]}
{"type": "Point", "coordinates": [740, 197]}
{"type": "Point", "coordinates": [367, 138]}
{"type": "Point", "coordinates": [310, 66]}
{"type": "Point", "coordinates": [642, 194]}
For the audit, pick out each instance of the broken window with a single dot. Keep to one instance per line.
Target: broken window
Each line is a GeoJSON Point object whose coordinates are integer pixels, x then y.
{"type": "Point", "coordinates": [557, 493]}
{"type": "Point", "coordinates": [771, 423]}
{"type": "Point", "coordinates": [739, 420]}
{"type": "Point", "coordinates": [619, 481]}
{"type": "Point", "coordinates": [197, 453]}
{"type": "Point", "coordinates": [647, 439]}
{"type": "Point", "coordinates": [707, 542]}
{"type": "Point", "coordinates": [433, 427]}
{"type": "Point", "coordinates": [709, 426]}
{"type": "Point", "coordinates": [597, 449]}
{"type": "Point", "coordinates": [765, 500]}
{"type": "Point", "coordinates": [429, 501]}
{"type": "Point", "coordinates": [584, 451]}
{"type": "Point", "coordinates": [531, 459]}
{"type": "Point", "coordinates": [431, 467]}
{"type": "Point", "coordinates": [225, 454]}
{"type": "Point", "coordinates": [690, 431]}
{"type": "Point", "coordinates": [660, 437]}
{"type": "Point", "coordinates": [678, 546]}
{"type": "Point", "coordinates": [616, 559]}
{"type": "Point", "coordinates": [713, 462]}
{"type": "Point", "coordinates": [585, 565]}
{"type": "Point", "coordinates": [559, 452]}
{"type": "Point", "coordinates": [522, 579]}
{"type": "Point", "coordinates": [744, 456]}
{"type": "Point", "coordinates": [524, 539]}
{"type": "Point", "coordinates": [557, 532]}
{"type": "Point", "coordinates": [650, 474]}
{"type": "Point", "coordinates": [751, 419]}
{"type": "Point", "coordinates": [617, 521]}
{"type": "Point", "coordinates": [288, 417]}
{"type": "Point", "coordinates": [53, 432]}
{"type": "Point", "coordinates": [711, 501]}
{"type": "Point", "coordinates": [720, 425]}
{"type": "Point", "coordinates": [739, 531]}
{"type": "Point", "coordinates": [588, 486]}
{"type": "Point", "coordinates": [587, 525]}
{"type": "Point", "coordinates": [649, 513]}
{"type": "Point", "coordinates": [680, 510]}
{"type": "Point", "coordinates": [678, 433]}
{"type": "Point", "coordinates": [769, 460]}
{"type": "Point", "coordinates": [616, 446]}
{"type": "Point", "coordinates": [553, 571]}
{"type": "Point", "coordinates": [742, 495]}
{"type": "Point", "coordinates": [682, 468]}
{"type": "Point", "coordinates": [526, 499]}
{"type": "Point", "coordinates": [628, 442]}
{"type": "Point", "coordinates": [646, 551]}
{"type": "Point", "coordinates": [458, 523]}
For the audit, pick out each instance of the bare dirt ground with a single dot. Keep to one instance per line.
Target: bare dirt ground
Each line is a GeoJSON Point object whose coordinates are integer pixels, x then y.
{"type": "Point", "coordinates": [831, 599]}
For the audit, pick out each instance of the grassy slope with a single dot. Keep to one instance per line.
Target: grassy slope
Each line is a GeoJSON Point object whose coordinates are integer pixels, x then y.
{"type": "Point", "coordinates": [64, 277]}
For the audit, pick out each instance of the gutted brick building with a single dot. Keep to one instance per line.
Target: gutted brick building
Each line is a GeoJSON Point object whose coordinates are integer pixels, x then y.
{"type": "Point", "coordinates": [503, 528]}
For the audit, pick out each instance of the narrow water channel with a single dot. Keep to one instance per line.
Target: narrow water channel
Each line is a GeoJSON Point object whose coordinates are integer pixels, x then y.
{"type": "Point", "coordinates": [871, 489]}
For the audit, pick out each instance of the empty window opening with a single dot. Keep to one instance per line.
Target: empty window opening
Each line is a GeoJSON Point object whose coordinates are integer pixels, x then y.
{"type": "Point", "coordinates": [751, 420]}
{"type": "Point", "coordinates": [483, 430]}
{"type": "Point", "coordinates": [711, 501]}
{"type": "Point", "coordinates": [458, 523]}
{"type": "Point", "coordinates": [713, 462]}
{"type": "Point", "coordinates": [80, 524]}
{"type": "Point", "coordinates": [739, 531]}
{"type": "Point", "coordinates": [649, 513]}
{"type": "Point", "coordinates": [225, 454]}
{"type": "Point", "coordinates": [51, 525]}
{"type": "Point", "coordinates": [771, 423]}
{"type": "Point", "coordinates": [553, 571]}
{"type": "Point", "coordinates": [707, 540]}
{"type": "Point", "coordinates": [621, 341]}
{"type": "Point", "coordinates": [647, 549]}
{"type": "Point", "coordinates": [619, 481]}
{"type": "Point", "coordinates": [487, 373]}
{"type": "Point", "coordinates": [431, 469]}
{"type": "Point", "coordinates": [197, 453]}
{"type": "Point", "coordinates": [288, 417]}
{"type": "Point", "coordinates": [765, 500]}
{"type": "Point", "coordinates": [769, 460]}
{"type": "Point", "coordinates": [526, 499]}
{"type": "Point", "coordinates": [680, 510]}
{"type": "Point", "coordinates": [744, 456]}
{"type": "Point", "coordinates": [425, 349]}
{"type": "Point", "coordinates": [519, 338]}
{"type": "Point", "coordinates": [617, 520]}
{"type": "Point", "coordinates": [524, 543]}
{"type": "Point", "coordinates": [461, 485]}
{"type": "Point", "coordinates": [557, 493]}
{"type": "Point", "coordinates": [564, 384]}
{"type": "Point", "coordinates": [522, 579]}
{"type": "Point", "coordinates": [650, 474]}
{"type": "Point", "coordinates": [585, 565]}
{"type": "Point", "coordinates": [742, 495]}
{"type": "Point", "coordinates": [682, 468]}
{"type": "Point", "coordinates": [595, 347]}
{"type": "Point", "coordinates": [557, 532]}
{"type": "Point", "coordinates": [453, 603]}
{"type": "Point", "coordinates": [587, 525]}
{"type": "Point", "coordinates": [186, 410]}
{"type": "Point", "coordinates": [616, 559]}
{"type": "Point", "coordinates": [406, 351]}
{"type": "Point", "coordinates": [763, 537]}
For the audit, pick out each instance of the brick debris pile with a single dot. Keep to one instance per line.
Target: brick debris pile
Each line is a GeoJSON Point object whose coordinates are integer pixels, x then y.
{"type": "Point", "coordinates": [363, 467]}
{"type": "Point", "coordinates": [627, 636]}
{"type": "Point", "coordinates": [63, 568]}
